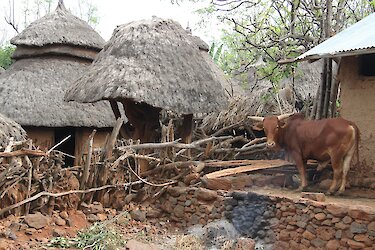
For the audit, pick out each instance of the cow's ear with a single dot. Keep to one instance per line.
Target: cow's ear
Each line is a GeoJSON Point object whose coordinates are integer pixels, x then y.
{"type": "Point", "coordinates": [257, 126]}
{"type": "Point", "coordinates": [282, 124]}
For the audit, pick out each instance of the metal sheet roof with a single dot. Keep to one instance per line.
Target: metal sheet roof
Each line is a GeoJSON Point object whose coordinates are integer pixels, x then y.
{"type": "Point", "coordinates": [355, 40]}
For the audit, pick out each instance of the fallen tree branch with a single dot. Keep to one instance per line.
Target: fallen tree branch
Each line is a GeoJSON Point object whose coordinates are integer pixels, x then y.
{"type": "Point", "coordinates": [45, 193]}
{"type": "Point", "coordinates": [175, 144]}
{"type": "Point", "coordinates": [23, 152]}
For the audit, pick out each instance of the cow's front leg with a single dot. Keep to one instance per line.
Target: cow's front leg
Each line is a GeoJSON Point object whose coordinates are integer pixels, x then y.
{"type": "Point", "coordinates": [300, 163]}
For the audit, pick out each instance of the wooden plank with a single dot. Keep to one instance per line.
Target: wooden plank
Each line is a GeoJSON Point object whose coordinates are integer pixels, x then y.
{"type": "Point", "coordinates": [261, 164]}
{"type": "Point", "coordinates": [233, 163]}
{"type": "Point", "coordinates": [23, 152]}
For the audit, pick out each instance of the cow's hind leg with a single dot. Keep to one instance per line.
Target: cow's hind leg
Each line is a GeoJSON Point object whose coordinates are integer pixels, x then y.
{"type": "Point", "coordinates": [346, 166]}
{"type": "Point", "coordinates": [337, 173]}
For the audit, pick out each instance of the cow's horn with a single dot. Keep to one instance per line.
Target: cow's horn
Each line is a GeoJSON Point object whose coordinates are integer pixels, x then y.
{"type": "Point", "coordinates": [284, 116]}
{"type": "Point", "coordinates": [256, 118]}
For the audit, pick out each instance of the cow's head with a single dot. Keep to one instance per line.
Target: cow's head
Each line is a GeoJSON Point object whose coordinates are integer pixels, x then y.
{"type": "Point", "coordinates": [271, 126]}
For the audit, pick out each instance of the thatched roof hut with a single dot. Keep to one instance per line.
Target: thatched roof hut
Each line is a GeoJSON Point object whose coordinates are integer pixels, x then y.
{"type": "Point", "coordinates": [8, 129]}
{"type": "Point", "coordinates": [51, 53]}
{"type": "Point", "coordinates": [156, 62]}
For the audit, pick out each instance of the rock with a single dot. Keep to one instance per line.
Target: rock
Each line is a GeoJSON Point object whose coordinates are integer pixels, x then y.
{"type": "Point", "coordinates": [320, 216]}
{"type": "Point", "coordinates": [363, 238]}
{"type": "Point", "coordinates": [308, 235]}
{"type": "Point", "coordinates": [92, 218]}
{"type": "Point", "coordinates": [301, 224]}
{"type": "Point", "coordinates": [318, 243]}
{"type": "Point", "coordinates": [216, 233]}
{"type": "Point", "coordinates": [355, 245]}
{"type": "Point", "coordinates": [333, 245]}
{"type": "Point", "coordinates": [59, 221]}
{"type": "Point", "coordinates": [314, 196]}
{"type": "Point", "coordinates": [191, 177]}
{"type": "Point", "coordinates": [347, 220]}
{"type": "Point", "coordinates": [10, 234]}
{"type": "Point", "coordinates": [206, 194]}
{"type": "Point", "coordinates": [137, 245]}
{"type": "Point", "coordinates": [95, 208]}
{"type": "Point", "coordinates": [325, 233]}
{"type": "Point", "coordinates": [361, 213]}
{"type": "Point", "coordinates": [57, 232]}
{"type": "Point", "coordinates": [336, 210]}
{"type": "Point", "coordinates": [371, 226]}
{"type": "Point", "coordinates": [357, 228]}
{"type": "Point", "coordinates": [138, 215]}
{"type": "Point", "coordinates": [64, 215]}
{"type": "Point", "coordinates": [4, 245]}
{"type": "Point", "coordinates": [284, 235]}
{"type": "Point", "coordinates": [102, 217]}
{"type": "Point", "coordinates": [16, 226]}
{"type": "Point", "coordinates": [30, 231]}
{"type": "Point", "coordinates": [176, 191]}
{"type": "Point", "coordinates": [37, 220]}
{"type": "Point", "coordinates": [341, 225]}
{"type": "Point", "coordinates": [244, 244]}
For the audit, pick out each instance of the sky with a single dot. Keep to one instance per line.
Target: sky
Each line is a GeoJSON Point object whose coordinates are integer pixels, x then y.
{"type": "Point", "coordinates": [116, 12]}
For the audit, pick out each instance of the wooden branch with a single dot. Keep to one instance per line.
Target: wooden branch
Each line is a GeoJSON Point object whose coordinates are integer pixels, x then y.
{"type": "Point", "coordinates": [27, 207]}
{"type": "Point", "coordinates": [23, 152]}
{"type": "Point", "coordinates": [86, 169]}
{"type": "Point", "coordinates": [175, 144]}
{"type": "Point", "coordinates": [58, 144]}
{"type": "Point", "coordinates": [222, 130]}
{"type": "Point", "coordinates": [108, 149]}
{"type": "Point", "coordinates": [44, 193]}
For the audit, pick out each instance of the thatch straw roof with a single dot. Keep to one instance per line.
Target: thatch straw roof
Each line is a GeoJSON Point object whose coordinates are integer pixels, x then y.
{"type": "Point", "coordinates": [59, 27]}
{"type": "Point", "coordinates": [157, 62]}
{"type": "Point", "coordinates": [8, 129]}
{"type": "Point", "coordinates": [32, 90]}
{"type": "Point", "coordinates": [261, 99]}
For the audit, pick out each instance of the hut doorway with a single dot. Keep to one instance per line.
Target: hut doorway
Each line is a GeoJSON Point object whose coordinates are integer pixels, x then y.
{"type": "Point", "coordinates": [68, 146]}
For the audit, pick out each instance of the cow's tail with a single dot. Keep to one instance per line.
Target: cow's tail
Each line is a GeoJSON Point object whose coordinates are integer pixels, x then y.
{"type": "Point", "coordinates": [357, 140]}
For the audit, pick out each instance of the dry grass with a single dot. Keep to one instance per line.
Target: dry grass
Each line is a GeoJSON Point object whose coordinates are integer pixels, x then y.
{"type": "Point", "coordinates": [188, 242]}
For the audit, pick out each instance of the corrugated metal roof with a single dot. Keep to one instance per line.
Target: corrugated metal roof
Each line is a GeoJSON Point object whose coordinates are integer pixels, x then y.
{"type": "Point", "coordinates": [355, 40]}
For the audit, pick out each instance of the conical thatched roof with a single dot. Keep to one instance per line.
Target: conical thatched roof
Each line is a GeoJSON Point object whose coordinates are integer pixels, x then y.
{"type": "Point", "coordinates": [8, 129]}
{"type": "Point", "coordinates": [157, 62]}
{"type": "Point", "coordinates": [59, 27]}
{"type": "Point", "coordinates": [32, 89]}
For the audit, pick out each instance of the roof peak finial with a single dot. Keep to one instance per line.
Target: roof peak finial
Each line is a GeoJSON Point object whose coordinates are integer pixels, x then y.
{"type": "Point", "coordinates": [61, 5]}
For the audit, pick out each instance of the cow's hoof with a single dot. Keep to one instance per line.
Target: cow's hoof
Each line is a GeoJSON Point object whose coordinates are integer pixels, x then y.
{"type": "Point", "coordinates": [301, 189]}
{"type": "Point", "coordinates": [328, 193]}
{"type": "Point", "coordinates": [339, 193]}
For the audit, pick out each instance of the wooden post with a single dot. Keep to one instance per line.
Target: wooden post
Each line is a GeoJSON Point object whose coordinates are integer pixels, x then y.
{"type": "Point", "coordinates": [116, 111]}
{"type": "Point", "coordinates": [187, 130]}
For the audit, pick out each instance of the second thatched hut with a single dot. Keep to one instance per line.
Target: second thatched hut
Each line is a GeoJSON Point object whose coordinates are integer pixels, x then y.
{"type": "Point", "coordinates": [150, 65]}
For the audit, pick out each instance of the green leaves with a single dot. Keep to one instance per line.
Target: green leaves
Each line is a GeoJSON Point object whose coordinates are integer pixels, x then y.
{"type": "Point", "coordinates": [5, 56]}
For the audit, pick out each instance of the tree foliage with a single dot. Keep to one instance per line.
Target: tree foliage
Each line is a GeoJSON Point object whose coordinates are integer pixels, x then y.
{"type": "Point", "coordinates": [20, 16]}
{"type": "Point", "coordinates": [278, 29]}
{"type": "Point", "coordinates": [5, 56]}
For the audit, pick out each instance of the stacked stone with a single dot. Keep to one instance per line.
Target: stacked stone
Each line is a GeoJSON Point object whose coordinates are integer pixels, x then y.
{"type": "Point", "coordinates": [301, 224]}
{"type": "Point", "coordinates": [311, 225]}
{"type": "Point", "coordinates": [187, 206]}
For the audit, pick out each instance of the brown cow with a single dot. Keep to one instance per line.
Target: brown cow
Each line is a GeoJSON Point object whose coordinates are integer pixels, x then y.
{"type": "Point", "coordinates": [325, 140]}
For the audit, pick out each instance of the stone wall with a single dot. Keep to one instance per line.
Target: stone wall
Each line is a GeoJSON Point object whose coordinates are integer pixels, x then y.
{"type": "Point", "coordinates": [281, 223]}
{"type": "Point", "coordinates": [275, 222]}
{"type": "Point", "coordinates": [187, 206]}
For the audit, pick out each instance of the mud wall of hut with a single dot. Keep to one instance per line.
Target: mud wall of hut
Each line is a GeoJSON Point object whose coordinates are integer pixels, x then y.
{"type": "Point", "coordinates": [357, 104]}
{"type": "Point", "coordinates": [45, 138]}
{"type": "Point", "coordinates": [274, 222]}
{"type": "Point", "coordinates": [42, 137]}
{"type": "Point", "coordinates": [82, 137]}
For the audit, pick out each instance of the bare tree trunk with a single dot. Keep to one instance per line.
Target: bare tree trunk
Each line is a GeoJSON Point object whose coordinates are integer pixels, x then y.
{"type": "Point", "coordinates": [334, 91]}
{"type": "Point", "coordinates": [326, 106]}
